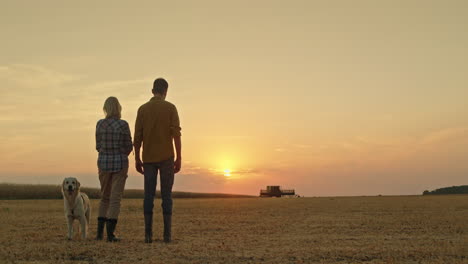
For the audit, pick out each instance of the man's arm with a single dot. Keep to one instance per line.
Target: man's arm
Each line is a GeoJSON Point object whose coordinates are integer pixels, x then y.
{"type": "Point", "coordinates": [138, 139]}
{"type": "Point", "coordinates": [178, 147]}
{"type": "Point", "coordinates": [175, 128]}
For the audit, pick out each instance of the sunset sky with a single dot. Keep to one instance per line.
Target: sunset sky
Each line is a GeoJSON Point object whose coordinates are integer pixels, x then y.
{"type": "Point", "coordinates": [326, 97]}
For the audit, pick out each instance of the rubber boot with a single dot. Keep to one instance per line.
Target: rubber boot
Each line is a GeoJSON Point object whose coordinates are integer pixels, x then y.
{"type": "Point", "coordinates": [111, 223]}
{"type": "Point", "coordinates": [101, 222]}
{"type": "Point", "coordinates": [167, 228]}
{"type": "Point", "coordinates": [148, 228]}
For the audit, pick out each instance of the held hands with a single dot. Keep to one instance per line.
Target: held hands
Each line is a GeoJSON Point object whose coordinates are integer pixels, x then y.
{"type": "Point", "coordinates": [177, 165]}
{"type": "Point", "coordinates": [139, 166]}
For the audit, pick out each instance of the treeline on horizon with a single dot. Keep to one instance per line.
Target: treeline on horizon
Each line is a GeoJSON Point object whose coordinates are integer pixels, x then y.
{"type": "Point", "coordinates": [462, 189]}
{"type": "Point", "coordinates": [9, 191]}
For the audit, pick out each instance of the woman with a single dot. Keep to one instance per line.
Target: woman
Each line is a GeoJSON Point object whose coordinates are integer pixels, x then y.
{"type": "Point", "coordinates": [114, 144]}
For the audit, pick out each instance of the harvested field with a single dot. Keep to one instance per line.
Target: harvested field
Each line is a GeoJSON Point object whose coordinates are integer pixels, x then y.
{"type": "Point", "coordinates": [403, 229]}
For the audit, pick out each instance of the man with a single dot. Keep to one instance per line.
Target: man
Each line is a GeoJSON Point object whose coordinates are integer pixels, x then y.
{"type": "Point", "coordinates": [157, 126]}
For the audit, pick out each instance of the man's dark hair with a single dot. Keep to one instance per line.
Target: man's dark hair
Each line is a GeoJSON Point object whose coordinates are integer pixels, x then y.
{"type": "Point", "coordinates": [160, 86]}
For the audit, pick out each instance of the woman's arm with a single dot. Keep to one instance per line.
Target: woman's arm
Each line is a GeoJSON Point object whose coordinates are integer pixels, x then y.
{"type": "Point", "coordinates": [98, 136]}
{"type": "Point", "coordinates": [127, 145]}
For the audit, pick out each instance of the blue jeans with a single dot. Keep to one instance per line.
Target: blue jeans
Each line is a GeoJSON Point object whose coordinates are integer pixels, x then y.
{"type": "Point", "coordinates": [166, 170]}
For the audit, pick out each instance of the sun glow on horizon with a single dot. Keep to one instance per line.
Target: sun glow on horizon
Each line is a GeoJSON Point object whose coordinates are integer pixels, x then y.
{"type": "Point", "coordinates": [227, 172]}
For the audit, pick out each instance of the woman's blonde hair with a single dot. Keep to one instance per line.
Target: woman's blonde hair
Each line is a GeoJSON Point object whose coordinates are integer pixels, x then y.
{"type": "Point", "coordinates": [112, 108]}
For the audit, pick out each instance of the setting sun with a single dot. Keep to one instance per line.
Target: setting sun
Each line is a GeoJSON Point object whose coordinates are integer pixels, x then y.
{"type": "Point", "coordinates": [227, 172]}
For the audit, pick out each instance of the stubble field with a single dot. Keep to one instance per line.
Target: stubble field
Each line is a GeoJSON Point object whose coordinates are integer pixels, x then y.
{"type": "Point", "coordinates": [406, 229]}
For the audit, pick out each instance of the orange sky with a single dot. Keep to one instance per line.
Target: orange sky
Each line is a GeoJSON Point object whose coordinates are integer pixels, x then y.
{"type": "Point", "coordinates": [330, 99]}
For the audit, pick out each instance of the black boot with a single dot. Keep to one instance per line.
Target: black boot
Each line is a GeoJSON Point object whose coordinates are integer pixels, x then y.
{"type": "Point", "coordinates": [101, 222]}
{"type": "Point", "coordinates": [111, 223]}
{"type": "Point", "coordinates": [148, 228]}
{"type": "Point", "coordinates": [167, 228]}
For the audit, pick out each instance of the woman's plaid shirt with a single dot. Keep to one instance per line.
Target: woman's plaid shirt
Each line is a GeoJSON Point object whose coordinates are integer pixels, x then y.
{"type": "Point", "coordinates": [114, 144]}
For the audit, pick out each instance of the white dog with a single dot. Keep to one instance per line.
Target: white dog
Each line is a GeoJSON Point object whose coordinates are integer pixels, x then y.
{"type": "Point", "coordinates": [77, 206]}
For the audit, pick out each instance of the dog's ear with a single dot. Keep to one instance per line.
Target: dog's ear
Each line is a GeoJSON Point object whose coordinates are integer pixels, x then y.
{"type": "Point", "coordinates": [63, 185]}
{"type": "Point", "coordinates": [78, 184]}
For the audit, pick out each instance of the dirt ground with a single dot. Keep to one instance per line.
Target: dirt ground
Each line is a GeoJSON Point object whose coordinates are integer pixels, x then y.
{"type": "Point", "coordinates": [405, 229]}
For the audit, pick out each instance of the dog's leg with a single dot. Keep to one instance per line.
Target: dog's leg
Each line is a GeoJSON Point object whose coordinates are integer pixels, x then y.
{"type": "Point", "coordinates": [70, 227]}
{"type": "Point", "coordinates": [88, 214]}
{"type": "Point", "coordinates": [84, 226]}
